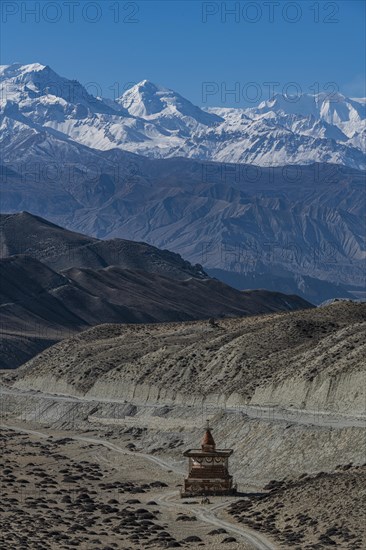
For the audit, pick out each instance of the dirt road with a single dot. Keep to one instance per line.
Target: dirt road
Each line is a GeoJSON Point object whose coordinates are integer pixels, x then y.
{"type": "Point", "coordinates": [206, 513]}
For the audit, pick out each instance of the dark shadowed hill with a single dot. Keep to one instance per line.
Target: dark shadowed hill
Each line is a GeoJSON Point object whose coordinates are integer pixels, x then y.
{"type": "Point", "coordinates": [61, 249]}
{"type": "Point", "coordinates": [56, 282]}
{"type": "Point", "coordinates": [39, 306]}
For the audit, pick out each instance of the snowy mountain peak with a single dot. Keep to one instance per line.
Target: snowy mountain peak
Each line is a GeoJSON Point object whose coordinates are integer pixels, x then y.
{"type": "Point", "coordinates": [305, 105]}
{"type": "Point", "coordinates": [37, 87]}
{"type": "Point", "coordinates": [346, 114]}
{"type": "Point", "coordinates": [144, 99]}
{"type": "Point", "coordinates": [17, 69]}
{"type": "Point", "coordinates": [321, 106]}
{"type": "Point", "coordinates": [40, 75]}
{"type": "Point", "coordinates": [149, 86]}
{"type": "Point", "coordinates": [148, 100]}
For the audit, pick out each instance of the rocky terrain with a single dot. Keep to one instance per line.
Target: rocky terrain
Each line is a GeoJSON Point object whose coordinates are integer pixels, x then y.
{"type": "Point", "coordinates": [311, 512]}
{"type": "Point", "coordinates": [285, 391]}
{"type": "Point", "coordinates": [309, 359]}
{"type": "Point", "coordinates": [294, 510]}
{"type": "Point", "coordinates": [60, 493]}
{"type": "Point", "coordinates": [56, 283]}
{"type": "Point", "coordinates": [298, 230]}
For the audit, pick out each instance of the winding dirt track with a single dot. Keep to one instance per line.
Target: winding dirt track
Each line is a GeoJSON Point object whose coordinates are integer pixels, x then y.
{"type": "Point", "coordinates": [209, 515]}
{"type": "Point", "coordinates": [204, 513]}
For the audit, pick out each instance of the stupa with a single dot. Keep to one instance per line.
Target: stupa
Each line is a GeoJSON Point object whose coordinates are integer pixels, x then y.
{"type": "Point", "coordinates": [208, 469]}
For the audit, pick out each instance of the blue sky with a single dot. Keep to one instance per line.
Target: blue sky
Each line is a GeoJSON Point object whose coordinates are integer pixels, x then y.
{"type": "Point", "coordinates": [197, 48]}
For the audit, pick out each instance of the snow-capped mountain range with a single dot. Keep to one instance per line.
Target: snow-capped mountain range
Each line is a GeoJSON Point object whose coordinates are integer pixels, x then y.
{"type": "Point", "coordinates": [144, 168]}
{"type": "Point", "coordinates": [159, 123]}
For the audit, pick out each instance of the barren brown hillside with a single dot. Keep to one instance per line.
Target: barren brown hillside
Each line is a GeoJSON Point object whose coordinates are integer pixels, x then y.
{"type": "Point", "coordinates": [306, 358]}
{"type": "Point", "coordinates": [294, 510]}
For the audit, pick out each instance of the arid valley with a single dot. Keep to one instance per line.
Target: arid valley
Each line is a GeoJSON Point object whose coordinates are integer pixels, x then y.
{"type": "Point", "coordinates": [98, 463]}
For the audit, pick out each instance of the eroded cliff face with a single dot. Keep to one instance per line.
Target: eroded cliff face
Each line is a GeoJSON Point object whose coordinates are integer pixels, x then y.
{"type": "Point", "coordinates": [311, 360]}
{"type": "Point", "coordinates": [271, 445]}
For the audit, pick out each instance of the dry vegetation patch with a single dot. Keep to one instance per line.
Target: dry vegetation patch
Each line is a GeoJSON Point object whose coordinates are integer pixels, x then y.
{"type": "Point", "coordinates": [311, 512]}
